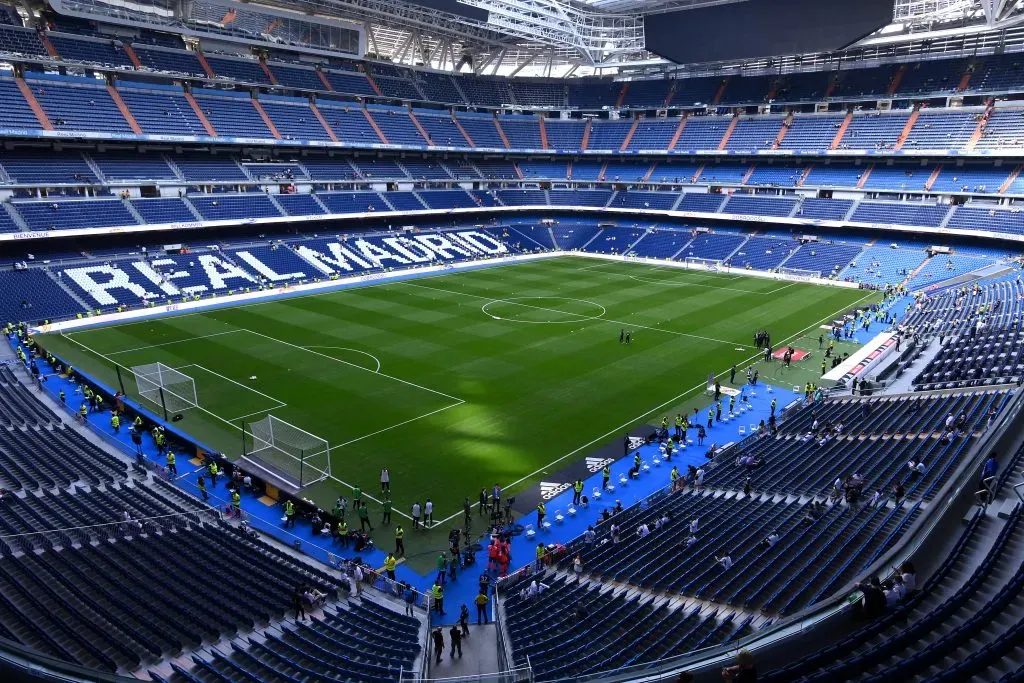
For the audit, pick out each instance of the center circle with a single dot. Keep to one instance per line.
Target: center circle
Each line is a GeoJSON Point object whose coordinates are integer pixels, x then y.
{"type": "Point", "coordinates": [543, 310]}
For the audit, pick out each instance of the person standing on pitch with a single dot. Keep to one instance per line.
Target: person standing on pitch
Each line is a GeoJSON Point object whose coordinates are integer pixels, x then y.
{"type": "Point", "coordinates": [428, 513]}
{"type": "Point", "coordinates": [415, 515]}
{"type": "Point", "coordinates": [386, 505]}
{"type": "Point", "coordinates": [385, 481]}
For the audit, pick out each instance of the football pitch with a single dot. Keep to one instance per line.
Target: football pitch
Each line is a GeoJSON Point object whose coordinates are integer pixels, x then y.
{"type": "Point", "coordinates": [462, 380]}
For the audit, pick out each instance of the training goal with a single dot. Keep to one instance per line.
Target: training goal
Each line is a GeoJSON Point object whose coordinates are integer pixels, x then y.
{"type": "Point", "coordinates": [282, 449]}
{"type": "Point", "coordinates": [800, 273]}
{"type": "Point", "coordinates": [166, 387]}
{"type": "Point", "coordinates": [697, 263]}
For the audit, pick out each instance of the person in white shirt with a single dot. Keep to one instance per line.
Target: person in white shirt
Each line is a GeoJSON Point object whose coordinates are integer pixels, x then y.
{"type": "Point", "coordinates": [415, 515]}
{"type": "Point", "coordinates": [875, 497]}
{"type": "Point", "coordinates": [691, 540]}
{"type": "Point", "coordinates": [724, 560]}
{"type": "Point", "coordinates": [909, 575]}
{"type": "Point", "coordinates": [949, 421]}
{"type": "Point", "coordinates": [895, 595]}
{"type": "Point", "coordinates": [385, 480]}
{"type": "Point", "coordinates": [698, 479]}
{"type": "Point", "coordinates": [589, 535]}
{"type": "Point", "coordinates": [428, 513]}
{"type": "Point", "coordinates": [770, 540]}
{"type": "Point", "coordinates": [920, 468]}
{"type": "Point", "coordinates": [615, 533]}
{"type": "Point", "coordinates": [577, 565]}
{"type": "Point", "coordinates": [694, 525]}
{"type": "Point", "coordinates": [643, 531]}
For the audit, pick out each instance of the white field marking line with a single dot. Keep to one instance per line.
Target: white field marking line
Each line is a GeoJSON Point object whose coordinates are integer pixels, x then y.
{"type": "Point", "coordinates": [688, 284]}
{"type": "Point", "coordinates": [230, 424]}
{"type": "Point", "coordinates": [153, 346]}
{"type": "Point", "coordinates": [779, 289]}
{"type": "Point", "coordinates": [582, 318]}
{"type": "Point", "coordinates": [358, 367]}
{"type": "Point", "coordinates": [400, 424]}
{"type": "Point", "coordinates": [255, 412]}
{"type": "Point", "coordinates": [702, 386]}
{"type": "Point", "coordinates": [280, 404]}
{"type": "Point", "coordinates": [597, 265]}
{"type": "Point", "coordinates": [345, 348]}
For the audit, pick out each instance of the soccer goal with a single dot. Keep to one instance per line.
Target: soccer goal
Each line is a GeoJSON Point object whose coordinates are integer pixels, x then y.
{"type": "Point", "coordinates": [697, 263]}
{"type": "Point", "coordinates": [166, 387]}
{"type": "Point", "coordinates": [800, 273]}
{"type": "Point", "coordinates": [293, 454]}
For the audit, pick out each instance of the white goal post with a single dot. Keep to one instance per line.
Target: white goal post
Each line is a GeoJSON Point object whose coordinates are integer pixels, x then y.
{"type": "Point", "coordinates": [290, 453]}
{"type": "Point", "coordinates": [800, 273]}
{"type": "Point", "coordinates": [166, 387]}
{"type": "Point", "coordinates": [697, 263]}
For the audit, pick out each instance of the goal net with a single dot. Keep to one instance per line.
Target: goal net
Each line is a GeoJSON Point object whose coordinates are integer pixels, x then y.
{"type": "Point", "coordinates": [698, 263]}
{"type": "Point", "coordinates": [165, 386]}
{"type": "Point", "coordinates": [800, 273]}
{"type": "Point", "coordinates": [293, 454]}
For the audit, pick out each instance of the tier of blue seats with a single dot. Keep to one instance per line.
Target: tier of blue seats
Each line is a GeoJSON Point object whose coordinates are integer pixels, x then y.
{"type": "Point", "coordinates": [73, 213]}
{"type": "Point", "coordinates": [763, 253]}
{"type": "Point", "coordinates": [575, 627]}
{"type": "Point", "coordinates": [232, 113]}
{"type": "Point", "coordinates": [163, 210]}
{"type": "Point", "coordinates": [33, 295]}
{"type": "Point", "coordinates": [753, 205]}
{"type": "Point", "coordinates": [447, 199]}
{"type": "Point", "coordinates": [661, 243]}
{"type": "Point", "coordinates": [180, 61]}
{"type": "Point", "coordinates": [162, 112]}
{"type": "Point", "coordinates": [827, 257]}
{"type": "Point", "coordinates": [884, 265]}
{"type": "Point", "coordinates": [75, 103]}
{"type": "Point", "coordinates": [99, 623]}
{"type": "Point", "coordinates": [569, 236]}
{"type": "Point", "coordinates": [713, 246]}
{"type": "Point", "coordinates": [878, 437]}
{"type": "Point", "coordinates": [97, 51]}
{"type": "Point", "coordinates": [824, 209]}
{"type": "Point", "coordinates": [988, 356]}
{"type": "Point", "coordinates": [901, 213]}
{"type": "Point", "coordinates": [225, 207]}
{"type": "Point", "coordinates": [365, 642]}
{"type": "Point", "coordinates": [936, 77]}
{"type": "Point", "coordinates": [795, 572]}
{"type": "Point", "coordinates": [943, 267]}
{"type": "Point", "coordinates": [596, 198]}
{"type": "Point", "coordinates": [955, 311]}
{"type": "Point", "coordinates": [700, 201]}
{"type": "Point", "coordinates": [643, 200]}
{"type": "Point", "coordinates": [955, 611]}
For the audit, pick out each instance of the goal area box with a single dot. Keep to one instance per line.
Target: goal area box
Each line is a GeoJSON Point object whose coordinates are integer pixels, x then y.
{"type": "Point", "coordinates": [291, 456]}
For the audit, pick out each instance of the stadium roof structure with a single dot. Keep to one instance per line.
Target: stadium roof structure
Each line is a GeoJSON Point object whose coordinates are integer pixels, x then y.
{"type": "Point", "coordinates": [578, 37]}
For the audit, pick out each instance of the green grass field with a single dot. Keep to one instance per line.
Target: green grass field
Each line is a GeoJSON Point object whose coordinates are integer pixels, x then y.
{"type": "Point", "coordinates": [461, 380]}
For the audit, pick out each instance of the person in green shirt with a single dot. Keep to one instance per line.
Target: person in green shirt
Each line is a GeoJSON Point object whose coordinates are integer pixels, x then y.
{"type": "Point", "coordinates": [442, 568]}
{"type": "Point", "coordinates": [364, 517]}
{"type": "Point", "coordinates": [357, 496]}
{"type": "Point", "coordinates": [386, 505]}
